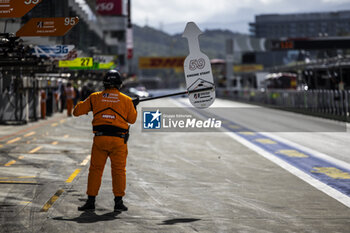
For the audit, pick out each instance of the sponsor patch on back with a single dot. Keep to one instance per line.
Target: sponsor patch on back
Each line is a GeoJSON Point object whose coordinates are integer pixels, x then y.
{"type": "Point", "coordinates": [106, 116]}
{"type": "Point", "coordinates": [110, 95]}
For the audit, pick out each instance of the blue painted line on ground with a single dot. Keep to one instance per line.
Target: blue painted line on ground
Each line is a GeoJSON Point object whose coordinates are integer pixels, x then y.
{"type": "Point", "coordinates": [306, 164]}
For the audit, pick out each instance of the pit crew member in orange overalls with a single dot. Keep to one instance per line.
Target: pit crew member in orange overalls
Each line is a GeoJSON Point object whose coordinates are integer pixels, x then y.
{"type": "Point", "coordinates": [43, 104]}
{"type": "Point", "coordinates": [70, 95]}
{"type": "Point", "coordinates": [113, 112]}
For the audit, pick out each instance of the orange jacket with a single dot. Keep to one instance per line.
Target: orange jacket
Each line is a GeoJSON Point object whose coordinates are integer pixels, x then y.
{"type": "Point", "coordinates": [110, 107]}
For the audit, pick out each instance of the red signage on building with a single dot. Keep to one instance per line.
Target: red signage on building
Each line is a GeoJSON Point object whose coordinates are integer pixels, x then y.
{"type": "Point", "coordinates": [130, 53]}
{"type": "Point", "coordinates": [109, 7]}
{"type": "Point", "coordinates": [161, 62]}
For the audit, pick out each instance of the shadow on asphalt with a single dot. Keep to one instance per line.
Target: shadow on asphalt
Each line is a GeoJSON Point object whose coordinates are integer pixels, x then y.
{"type": "Point", "coordinates": [179, 220]}
{"type": "Point", "coordinates": [91, 217]}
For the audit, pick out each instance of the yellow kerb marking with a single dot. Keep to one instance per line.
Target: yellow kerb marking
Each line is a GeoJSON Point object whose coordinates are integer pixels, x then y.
{"type": "Point", "coordinates": [54, 124]}
{"type": "Point", "coordinates": [247, 133]}
{"type": "Point", "coordinates": [21, 157]}
{"type": "Point", "coordinates": [74, 174]}
{"type": "Point", "coordinates": [54, 143]}
{"type": "Point", "coordinates": [292, 153]}
{"type": "Point", "coordinates": [25, 202]}
{"type": "Point", "coordinates": [62, 121]}
{"type": "Point", "coordinates": [234, 126]}
{"type": "Point", "coordinates": [35, 150]}
{"type": "Point", "coordinates": [29, 134]}
{"type": "Point", "coordinates": [265, 141]}
{"type": "Point", "coordinates": [332, 172]}
{"type": "Point", "coordinates": [52, 200]}
{"type": "Point", "coordinates": [66, 136]}
{"type": "Point", "coordinates": [10, 163]}
{"type": "Point", "coordinates": [13, 140]}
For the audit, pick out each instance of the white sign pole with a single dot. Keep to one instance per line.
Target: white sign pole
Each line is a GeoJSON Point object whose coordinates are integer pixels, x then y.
{"type": "Point", "coordinates": [197, 68]}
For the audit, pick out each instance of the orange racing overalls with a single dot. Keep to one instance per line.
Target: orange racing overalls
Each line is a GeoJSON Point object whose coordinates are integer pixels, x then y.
{"type": "Point", "coordinates": [70, 95]}
{"type": "Point", "coordinates": [43, 104]}
{"type": "Point", "coordinates": [113, 111]}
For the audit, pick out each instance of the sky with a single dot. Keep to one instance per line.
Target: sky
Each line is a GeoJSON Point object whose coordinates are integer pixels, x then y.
{"type": "Point", "coordinates": [235, 15]}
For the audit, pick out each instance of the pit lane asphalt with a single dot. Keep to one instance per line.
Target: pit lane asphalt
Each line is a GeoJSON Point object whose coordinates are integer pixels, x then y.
{"type": "Point", "coordinates": [176, 182]}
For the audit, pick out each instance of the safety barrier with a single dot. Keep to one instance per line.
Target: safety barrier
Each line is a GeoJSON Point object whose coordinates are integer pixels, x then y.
{"type": "Point", "coordinates": [19, 107]}
{"type": "Point", "coordinates": [327, 103]}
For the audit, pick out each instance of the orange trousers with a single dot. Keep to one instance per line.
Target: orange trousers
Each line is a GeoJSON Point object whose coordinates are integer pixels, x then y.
{"type": "Point", "coordinates": [102, 148]}
{"type": "Point", "coordinates": [69, 107]}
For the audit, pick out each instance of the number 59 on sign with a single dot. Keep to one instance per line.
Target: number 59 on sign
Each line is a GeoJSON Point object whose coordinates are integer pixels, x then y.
{"type": "Point", "coordinates": [27, 2]}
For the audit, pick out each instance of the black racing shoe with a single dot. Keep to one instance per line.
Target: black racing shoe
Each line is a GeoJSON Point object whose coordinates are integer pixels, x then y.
{"type": "Point", "coordinates": [89, 205]}
{"type": "Point", "coordinates": [119, 205]}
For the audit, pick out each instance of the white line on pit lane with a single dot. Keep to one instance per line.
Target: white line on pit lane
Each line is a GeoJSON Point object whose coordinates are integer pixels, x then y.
{"type": "Point", "coordinates": [85, 161]}
{"type": "Point", "coordinates": [314, 153]}
{"type": "Point", "coordinates": [342, 198]}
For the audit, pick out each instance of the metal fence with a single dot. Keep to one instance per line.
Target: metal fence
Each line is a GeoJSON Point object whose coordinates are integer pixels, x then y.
{"type": "Point", "coordinates": [327, 103]}
{"type": "Point", "coordinates": [19, 107]}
